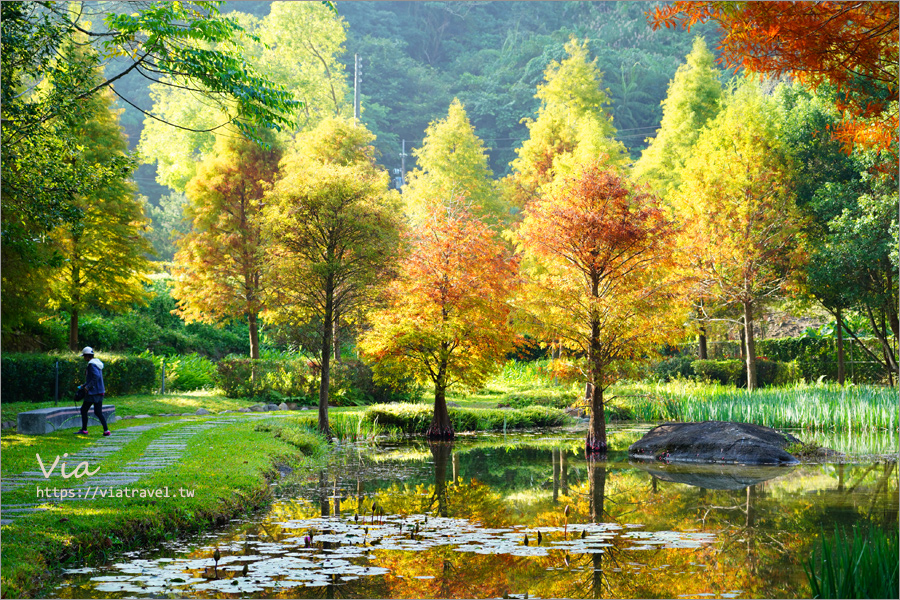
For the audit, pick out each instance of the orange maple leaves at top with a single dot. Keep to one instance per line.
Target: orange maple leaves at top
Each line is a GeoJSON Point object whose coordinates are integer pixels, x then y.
{"type": "Point", "coordinates": [851, 45]}
{"type": "Point", "coordinates": [597, 224]}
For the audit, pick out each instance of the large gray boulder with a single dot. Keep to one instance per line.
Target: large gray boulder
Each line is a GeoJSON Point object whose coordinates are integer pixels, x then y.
{"type": "Point", "coordinates": [715, 442]}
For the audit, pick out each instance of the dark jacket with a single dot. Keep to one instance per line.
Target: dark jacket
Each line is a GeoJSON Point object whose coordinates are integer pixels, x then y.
{"type": "Point", "coordinates": [93, 382]}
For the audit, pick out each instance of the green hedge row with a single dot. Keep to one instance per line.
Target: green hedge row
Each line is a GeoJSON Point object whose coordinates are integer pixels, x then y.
{"type": "Point", "coordinates": [734, 372]}
{"type": "Point", "coordinates": [32, 377]}
{"type": "Point", "coordinates": [815, 357]}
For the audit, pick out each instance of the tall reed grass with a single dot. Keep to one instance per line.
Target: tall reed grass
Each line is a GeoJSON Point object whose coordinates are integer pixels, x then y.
{"type": "Point", "coordinates": [356, 428]}
{"type": "Point", "coordinates": [825, 407]}
{"type": "Point", "coordinates": [860, 563]}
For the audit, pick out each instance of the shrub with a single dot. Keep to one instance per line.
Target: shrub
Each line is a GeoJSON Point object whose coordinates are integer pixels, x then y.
{"type": "Point", "coordinates": [186, 373]}
{"type": "Point", "coordinates": [726, 372]}
{"type": "Point", "coordinates": [31, 377]}
{"type": "Point", "coordinates": [352, 384]}
{"type": "Point", "coordinates": [277, 379]}
{"type": "Point", "coordinates": [674, 367]}
{"type": "Point", "coordinates": [133, 332]}
{"type": "Point", "coordinates": [734, 372]}
{"type": "Point", "coordinates": [541, 397]}
{"type": "Point", "coordinates": [97, 332]}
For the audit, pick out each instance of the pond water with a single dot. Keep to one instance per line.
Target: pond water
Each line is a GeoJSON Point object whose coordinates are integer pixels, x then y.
{"type": "Point", "coordinates": [510, 516]}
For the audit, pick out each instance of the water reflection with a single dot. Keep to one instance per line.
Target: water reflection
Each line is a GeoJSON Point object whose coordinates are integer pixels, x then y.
{"type": "Point", "coordinates": [714, 476]}
{"type": "Point", "coordinates": [494, 517]}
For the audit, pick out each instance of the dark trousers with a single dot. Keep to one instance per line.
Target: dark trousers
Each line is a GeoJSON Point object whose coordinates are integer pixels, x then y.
{"type": "Point", "coordinates": [97, 401]}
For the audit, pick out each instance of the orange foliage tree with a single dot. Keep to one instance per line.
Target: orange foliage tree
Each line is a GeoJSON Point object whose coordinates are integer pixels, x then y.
{"type": "Point", "coordinates": [445, 321]}
{"type": "Point", "coordinates": [219, 264]}
{"type": "Point", "coordinates": [850, 45]}
{"type": "Point", "coordinates": [597, 252]}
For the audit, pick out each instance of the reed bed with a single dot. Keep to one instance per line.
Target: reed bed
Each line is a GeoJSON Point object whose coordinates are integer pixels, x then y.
{"type": "Point", "coordinates": [822, 407]}
{"type": "Point", "coordinates": [859, 563]}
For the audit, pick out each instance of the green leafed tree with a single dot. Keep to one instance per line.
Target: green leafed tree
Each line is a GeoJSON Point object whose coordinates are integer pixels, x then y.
{"type": "Point", "coordinates": [104, 252]}
{"type": "Point", "coordinates": [296, 45]}
{"type": "Point", "coordinates": [741, 224]}
{"type": "Point", "coordinates": [332, 228]}
{"type": "Point", "coordinates": [452, 163]}
{"type": "Point", "coordinates": [694, 97]}
{"type": "Point", "coordinates": [571, 127]}
{"type": "Point", "coordinates": [50, 54]}
{"type": "Point", "coordinates": [218, 272]}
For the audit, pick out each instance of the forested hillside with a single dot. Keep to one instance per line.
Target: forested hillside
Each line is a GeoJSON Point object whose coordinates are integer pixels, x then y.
{"type": "Point", "coordinates": [417, 56]}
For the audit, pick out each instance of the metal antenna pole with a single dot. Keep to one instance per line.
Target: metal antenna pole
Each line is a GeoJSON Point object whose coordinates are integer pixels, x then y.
{"type": "Point", "coordinates": [403, 164]}
{"type": "Point", "coordinates": [356, 87]}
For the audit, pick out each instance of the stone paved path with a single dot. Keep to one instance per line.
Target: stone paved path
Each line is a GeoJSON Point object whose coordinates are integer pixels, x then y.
{"type": "Point", "coordinates": [165, 451]}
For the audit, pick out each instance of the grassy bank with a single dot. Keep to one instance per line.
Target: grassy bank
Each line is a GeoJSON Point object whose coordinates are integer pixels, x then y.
{"type": "Point", "coordinates": [226, 470]}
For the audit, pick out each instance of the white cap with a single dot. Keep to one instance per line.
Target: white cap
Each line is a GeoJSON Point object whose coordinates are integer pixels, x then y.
{"type": "Point", "coordinates": [87, 350]}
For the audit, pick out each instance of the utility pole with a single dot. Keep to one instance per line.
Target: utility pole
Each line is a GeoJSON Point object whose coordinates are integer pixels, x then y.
{"type": "Point", "coordinates": [356, 81]}
{"type": "Point", "coordinates": [403, 164]}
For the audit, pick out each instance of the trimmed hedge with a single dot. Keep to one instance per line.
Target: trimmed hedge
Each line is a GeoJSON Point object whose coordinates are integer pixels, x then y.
{"type": "Point", "coordinates": [31, 377]}
{"type": "Point", "coordinates": [734, 372]}
{"type": "Point", "coordinates": [814, 357]}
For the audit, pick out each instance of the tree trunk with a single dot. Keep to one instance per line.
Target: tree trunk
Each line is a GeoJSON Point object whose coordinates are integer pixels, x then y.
{"type": "Point", "coordinates": [701, 335]}
{"type": "Point", "coordinates": [596, 436]}
{"type": "Point", "coordinates": [73, 330]}
{"type": "Point", "coordinates": [441, 428]}
{"type": "Point", "coordinates": [554, 458]}
{"type": "Point", "coordinates": [840, 347]}
{"type": "Point", "coordinates": [597, 482]}
{"type": "Point", "coordinates": [440, 452]}
{"type": "Point", "coordinates": [751, 345]}
{"type": "Point", "coordinates": [253, 321]}
{"type": "Point", "coordinates": [326, 360]}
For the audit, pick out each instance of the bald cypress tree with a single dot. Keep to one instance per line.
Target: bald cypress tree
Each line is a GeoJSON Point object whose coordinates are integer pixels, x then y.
{"type": "Point", "coordinates": [104, 250]}
{"type": "Point", "coordinates": [452, 163]}
{"type": "Point", "coordinates": [694, 97]}
{"type": "Point", "coordinates": [572, 127]}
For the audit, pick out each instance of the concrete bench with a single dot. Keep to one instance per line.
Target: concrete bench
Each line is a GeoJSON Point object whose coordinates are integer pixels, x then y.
{"type": "Point", "coordinates": [48, 420]}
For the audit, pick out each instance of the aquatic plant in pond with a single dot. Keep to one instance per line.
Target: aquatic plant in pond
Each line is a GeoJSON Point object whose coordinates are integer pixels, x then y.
{"type": "Point", "coordinates": [860, 563]}
{"type": "Point", "coordinates": [814, 407]}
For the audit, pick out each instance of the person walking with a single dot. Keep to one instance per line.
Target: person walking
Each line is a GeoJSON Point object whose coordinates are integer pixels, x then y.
{"type": "Point", "coordinates": [94, 390]}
